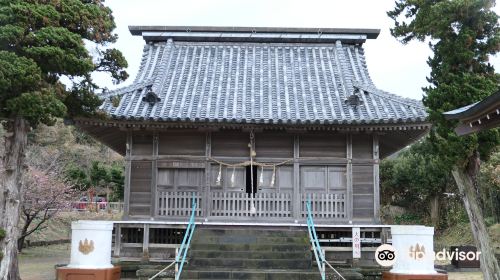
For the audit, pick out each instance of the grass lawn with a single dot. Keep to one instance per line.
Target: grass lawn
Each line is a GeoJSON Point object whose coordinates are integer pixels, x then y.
{"type": "Point", "coordinates": [465, 276]}
{"type": "Point", "coordinates": [38, 263]}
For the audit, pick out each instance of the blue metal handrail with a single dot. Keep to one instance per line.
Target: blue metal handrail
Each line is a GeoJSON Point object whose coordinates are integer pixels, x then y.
{"type": "Point", "coordinates": [318, 253]}
{"type": "Point", "coordinates": [186, 241]}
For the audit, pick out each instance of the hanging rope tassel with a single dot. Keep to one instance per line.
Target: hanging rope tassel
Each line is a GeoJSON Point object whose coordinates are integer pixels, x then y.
{"type": "Point", "coordinates": [218, 181]}
{"type": "Point", "coordinates": [261, 176]}
{"type": "Point", "coordinates": [253, 210]}
{"type": "Point", "coordinates": [274, 176]}
{"type": "Point", "coordinates": [232, 177]}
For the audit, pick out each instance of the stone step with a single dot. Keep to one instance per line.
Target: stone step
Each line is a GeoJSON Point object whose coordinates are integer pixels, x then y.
{"type": "Point", "coordinates": [250, 247]}
{"type": "Point", "coordinates": [250, 263]}
{"type": "Point", "coordinates": [246, 239]}
{"type": "Point", "coordinates": [250, 254]}
{"type": "Point", "coordinates": [146, 273]}
{"type": "Point", "coordinates": [264, 274]}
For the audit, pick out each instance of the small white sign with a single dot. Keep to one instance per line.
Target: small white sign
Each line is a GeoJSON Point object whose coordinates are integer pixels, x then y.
{"type": "Point", "coordinates": [356, 243]}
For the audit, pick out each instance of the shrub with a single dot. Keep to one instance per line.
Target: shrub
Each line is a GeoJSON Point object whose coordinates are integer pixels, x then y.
{"type": "Point", "coordinates": [408, 219]}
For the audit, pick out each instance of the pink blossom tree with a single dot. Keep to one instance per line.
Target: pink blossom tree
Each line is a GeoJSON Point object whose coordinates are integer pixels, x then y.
{"type": "Point", "coordinates": [44, 196]}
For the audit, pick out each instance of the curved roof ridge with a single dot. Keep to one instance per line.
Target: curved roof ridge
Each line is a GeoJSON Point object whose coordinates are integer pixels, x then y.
{"type": "Point", "coordinates": [125, 90]}
{"type": "Point", "coordinates": [146, 75]}
{"type": "Point", "coordinates": [400, 99]}
{"type": "Point", "coordinates": [372, 89]}
{"type": "Point", "coordinates": [268, 83]}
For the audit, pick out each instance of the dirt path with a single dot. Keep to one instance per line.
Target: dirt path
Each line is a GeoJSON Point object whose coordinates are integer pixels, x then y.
{"type": "Point", "coordinates": [38, 263]}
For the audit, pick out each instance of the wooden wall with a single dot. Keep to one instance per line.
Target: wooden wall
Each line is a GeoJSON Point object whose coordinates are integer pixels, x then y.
{"type": "Point", "coordinates": [140, 188]}
{"type": "Point", "coordinates": [176, 160]}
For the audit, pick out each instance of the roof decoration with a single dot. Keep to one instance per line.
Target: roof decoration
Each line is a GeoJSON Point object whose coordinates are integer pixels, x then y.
{"type": "Point", "coordinates": [257, 76]}
{"type": "Point", "coordinates": [150, 96]}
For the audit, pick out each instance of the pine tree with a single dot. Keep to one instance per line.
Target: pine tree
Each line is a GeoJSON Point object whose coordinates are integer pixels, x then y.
{"type": "Point", "coordinates": [462, 34]}
{"type": "Point", "coordinates": [42, 41]}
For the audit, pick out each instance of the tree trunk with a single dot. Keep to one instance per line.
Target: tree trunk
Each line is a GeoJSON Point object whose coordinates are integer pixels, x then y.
{"type": "Point", "coordinates": [489, 264]}
{"type": "Point", "coordinates": [22, 235]}
{"type": "Point", "coordinates": [11, 196]}
{"type": "Point", "coordinates": [434, 206]}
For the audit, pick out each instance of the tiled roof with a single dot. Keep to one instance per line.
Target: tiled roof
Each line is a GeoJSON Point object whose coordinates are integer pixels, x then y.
{"type": "Point", "coordinates": [482, 107]}
{"type": "Point", "coordinates": [257, 82]}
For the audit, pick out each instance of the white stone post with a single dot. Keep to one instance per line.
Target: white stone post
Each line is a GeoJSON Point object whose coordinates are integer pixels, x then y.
{"type": "Point", "coordinates": [414, 250]}
{"type": "Point", "coordinates": [91, 245]}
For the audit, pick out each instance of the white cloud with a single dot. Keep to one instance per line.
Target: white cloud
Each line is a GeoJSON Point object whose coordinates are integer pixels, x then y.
{"type": "Point", "coordinates": [397, 68]}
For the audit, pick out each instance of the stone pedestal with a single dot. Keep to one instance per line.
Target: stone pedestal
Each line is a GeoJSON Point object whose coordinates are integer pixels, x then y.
{"type": "Point", "coordinates": [414, 254]}
{"type": "Point", "coordinates": [67, 273]}
{"type": "Point", "coordinates": [397, 276]}
{"type": "Point", "coordinates": [90, 253]}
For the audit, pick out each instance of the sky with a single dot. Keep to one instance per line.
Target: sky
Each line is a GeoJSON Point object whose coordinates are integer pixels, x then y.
{"type": "Point", "coordinates": [394, 67]}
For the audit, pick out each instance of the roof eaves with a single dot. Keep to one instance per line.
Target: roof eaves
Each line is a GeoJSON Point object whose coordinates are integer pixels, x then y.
{"type": "Point", "coordinates": [256, 38]}
{"type": "Point", "coordinates": [471, 110]}
{"type": "Point", "coordinates": [370, 33]}
{"type": "Point", "coordinates": [249, 34]}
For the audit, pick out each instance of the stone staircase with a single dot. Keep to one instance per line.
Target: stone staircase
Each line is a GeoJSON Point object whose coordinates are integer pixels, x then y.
{"type": "Point", "coordinates": [250, 254]}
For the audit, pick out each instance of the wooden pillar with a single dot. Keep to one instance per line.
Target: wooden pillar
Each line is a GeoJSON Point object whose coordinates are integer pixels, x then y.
{"type": "Point", "coordinates": [376, 180]}
{"type": "Point", "coordinates": [349, 196]}
{"type": "Point", "coordinates": [206, 199]}
{"type": "Point", "coordinates": [384, 235]}
{"type": "Point", "coordinates": [118, 240]}
{"type": "Point", "coordinates": [154, 177]}
{"type": "Point", "coordinates": [145, 243]}
{"type": "Point", "coordinates": [128, 170]}
{"type": "Point", "coordinates": [297, 203]}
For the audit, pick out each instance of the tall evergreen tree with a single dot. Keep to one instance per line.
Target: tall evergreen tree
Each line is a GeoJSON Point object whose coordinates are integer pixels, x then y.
{"type": "Point", "coordinates": [42, 41]}
{"type": "Point", "coordinates": [462, 34]}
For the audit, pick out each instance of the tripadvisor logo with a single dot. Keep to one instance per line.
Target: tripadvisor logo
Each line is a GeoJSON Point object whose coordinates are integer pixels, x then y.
{"type": "Point", "coordinates": [457, 255]}
{"type": "Point", "coordinates": [385, 255]}
{"type": "Point", "coordinates": [417, 252]}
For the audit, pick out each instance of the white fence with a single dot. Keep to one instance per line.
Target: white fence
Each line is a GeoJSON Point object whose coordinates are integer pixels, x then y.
{"type": "Point", "coordinates": [324, 205]}
{"type": "Point", "coordinates": [237, 204]}
{"type": "Point", "coordinates": [178, 204]}
{"type": "Point", "coordinates": [272, 205]}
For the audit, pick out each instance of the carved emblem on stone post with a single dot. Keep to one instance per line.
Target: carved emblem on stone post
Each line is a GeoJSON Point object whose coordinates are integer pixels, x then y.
{"type": "Point", "coordinates": [86, 247]}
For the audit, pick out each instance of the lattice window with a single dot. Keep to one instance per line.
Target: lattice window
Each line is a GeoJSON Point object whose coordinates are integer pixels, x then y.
{"type": "Point", "coordinates": [166, 235]}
